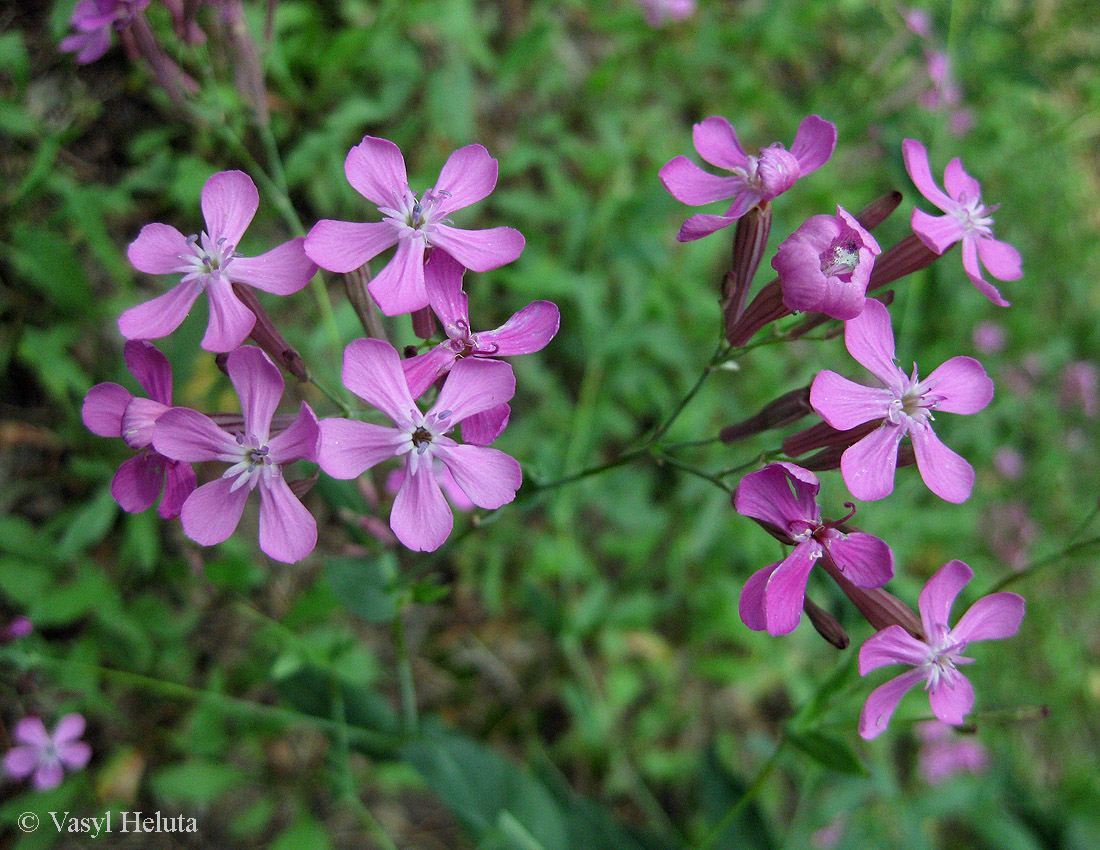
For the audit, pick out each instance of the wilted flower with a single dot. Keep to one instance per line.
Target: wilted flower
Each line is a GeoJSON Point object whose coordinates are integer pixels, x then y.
{"type": "Point", "coordinates": [47, 756]}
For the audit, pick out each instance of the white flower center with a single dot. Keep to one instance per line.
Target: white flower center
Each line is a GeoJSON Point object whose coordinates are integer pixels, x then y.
{"type": "Point", "coordinates": [944, 653]}
{"type": "Point", "coordinates": [413, 217]}
{"type": "Point", "coordinates": [912, 403]}
{"type": "Point", "coordinates": [206, 257]}
{"type": "Point", "coordinates": [252, 462]}
{"type": "Point", "coordinates": [420, 436]}
{"type": "Point", "coordinates": [973, 216]}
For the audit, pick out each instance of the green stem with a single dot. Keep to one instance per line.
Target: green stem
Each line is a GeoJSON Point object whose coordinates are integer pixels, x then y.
{"type": "Point", "coordinates": [661, 457]}
{"type": "Point", "coordinates": [405, 681]}
{"type": "Point", "coordinates": [331, 396]}
{"type": "Point", "coordinates": [1042, 562]}
{"type": "Point", "coordinates": [743, 801]}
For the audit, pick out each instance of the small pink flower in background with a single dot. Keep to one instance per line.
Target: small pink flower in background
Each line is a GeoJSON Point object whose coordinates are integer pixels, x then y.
{"type": "Point", "coordinates": [782, 498]}
{"type": "Point", "coordinates": [752, 180]}
{"type": "Point", "coordinates": [1010, 532]}
{"type": "Point", "coordinates": [936, 658]}
{"type": "Point", "coordinates": [93, 21]}
{"type": "Point", "coordinates": [660, 12]}
{"type": "Point", "coordinates": [1080, 388]}
{"type": "Point", "coordinates": [376, 170]}
{"type": "Point", "coordinates": [966, 220]}
{"type": "Point", "coordinates": [527, 331]}
{"type": "Point", "coordinates": [829, 835]}
{"type": "Point", "coordinates": [110, 410]}
{"type": "Point", "coordinates": [288, 532]}
{"type": "Point", "coordinates": [824, 266]}
{"type": "Point", "coordinates": [1009, 463]}
{"type": "Point", "coordinates": [918, 21]}
{"type": "Point", "coordinates": [420, 517]}
{"type": "Point", "coordinates": [18, 628]}
{"type": "Point", "coordinates": [47, 756]}
{"type": "Point", "coordinates": [943, 753]}
{"type": "Point", "coordinates": [906, 405]}
{"type": "Point", "coordinates": [989, 337]}
{"type": "Point", "coordinates": [210, 262]}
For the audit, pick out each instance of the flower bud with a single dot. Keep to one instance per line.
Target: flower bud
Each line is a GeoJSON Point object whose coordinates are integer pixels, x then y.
{"type": "Point", "coordinates": [267, 336]}
{"type": "Point", "coordinates": [826, 624]}
{"type": "Point", "coordinates": [788, 408]}
{"type": "Point", "coordinates": [907, 256]}
{"type": "Point", "coordinates": [879, 607]}
{"type": "Point", "coordinates": [749, 243]}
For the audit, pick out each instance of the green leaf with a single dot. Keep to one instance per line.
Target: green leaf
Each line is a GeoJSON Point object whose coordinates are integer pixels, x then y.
{"type": "Point", "coordinates": [198, 782]}
{"type": "Point", "coordinates": [828, 751]}
{"type": "Point", "coordinates": [720, 791]}
{"type": "Point", "coordinates": [304, 834]}
{"type": "Point", "coordinates": [365, 585]}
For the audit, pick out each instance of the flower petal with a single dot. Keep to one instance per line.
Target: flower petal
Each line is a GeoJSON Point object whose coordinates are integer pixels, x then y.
{"type": "Point", "coordinates": [527, 331]}
{"type": "Point", "coordinates": [159, 249]}
{"type": "Point", "coordinates": [48, 775]}
{"type": "Point", "coordinates": [974, 272]}
{"type": "Point", "coordinates": [21, 762]}
{"type": "Point", "coordinates": [916, 163]}
{"type": "Point", "coordinates": [162, 315]}
{"type": "Point", "coordinates": [814, 143]}
{"type": "Point", "coordinates": [230, 320]}
{"type": "Point", "coordinates": [481, 429]}
{"type": "Point", "coordinates": [717, 143]}
{"type": "Point", "coordinates": [443, 280]}
{"type": "Point", "coordinates": [179, 483]}
{"type": "Point", "coordinates": [844, 404]}
{"type": "Point", "coordinates": [865, 559]}
{"type": "Point", "coordinates": [704, 224]}
{"type": "Point", "coordinates": [892, 645]}
{"type": "Point", "coordinates": [786, 589]}
{"type": "Point", "coordinates": [32, 732]}
{"type": "Point", "coordinates": [299, 441]}
{"type": "Point", "coordinates": [766, 495]}
{"type": "Point", "coordinates": [399, 287]}
{"type": "Point", "coordinates": [952, 698]}
{"type": "Point", "coordinates": [474, 386]}
{"type": "Point", "coordinates": [479, 250]}
{"type": "Point", "coordinates": [288, 532]}
{"type": "Point", "coordinates": [990, 618]}
{"type": "Point", "coordinates": [468, 175]}
{"type": "Point", "coordinates": [421, 517]}
{"type": "Point", "coordinates": [1000, 258]}
{"type": "Point", "coordinates": [283, 270]}
{"type": "Point", "coordinates": [937, 232]}
{"type": "Point", "coordinates": [869, 338]}
{"type": "Point", "coordinates": [376, 170]}
{"type": "Point", "coordinates": [229, 201]}
{"type": "Point", "coordinates": [185, 434]}
{"type": "Point", "coordinates": [69, 728]}
{"type": "Point", "coordinates": [868, 466]}
{"type": "Point", "coordinates": [103, 409]}
{"type": "Point", "coordinates": [488, 476]}
{"type": "Point", "coordinates": [883, 701]}
{"type": "Point", "coordinates": [939, 594]}
{"type": "Point", "coordinates": [349, 448]}
{"type": "Point", "coordinates": [372, 370]}
{"type": "Point", "coordinates": [260, 386]}
{"type": "Point", "coordinates": [422, 370]}
{"type": "Point", "coordinates": [211, 514]}
{"type": "Point", "coordinates": [946, 473]}
{"type": "Point", "coordinates": [751, 604]}
{"type": "Point", "coordinates": [344, 246]}
{"type": "Point", "coordinates": [690, 184]}
{"type": "Point", "coordinates": [75, 755]}
{"type": "Point", "coordinates": [960, 185]}
{"type": "Point", "coordinates": [139, 420]}
{"type": "Point", "coordinates": [138, 482]}
{"type": "Point", "coordinates": [151, 368]}
{"type": "Point", "coordinates": [961, 386]}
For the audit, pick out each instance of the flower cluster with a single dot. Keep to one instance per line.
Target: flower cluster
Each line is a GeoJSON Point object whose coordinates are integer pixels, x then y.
{"type": "Point", "coordinates": [256, 446]}
{"type": "Point", "coordinates": [827, 269]}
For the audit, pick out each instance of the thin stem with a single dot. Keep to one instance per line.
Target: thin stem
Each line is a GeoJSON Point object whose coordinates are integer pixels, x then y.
{"type": "Point", "coordinates": [1042, 562]}
{"type": "Point", "coordinates": [763, 457]}
{"type": "Point", "coordinates": [673, 462]}
{"type": "Point", "coordinates": [405, 681]}
{"type": "Point", "coordinates": [586, 473]}
{"type": "Point", "coordinates": [335, 399]}
{"type": "Point", "coordinates": [743, 801]}
{"type": "Point", "coordinates": [717, 358]}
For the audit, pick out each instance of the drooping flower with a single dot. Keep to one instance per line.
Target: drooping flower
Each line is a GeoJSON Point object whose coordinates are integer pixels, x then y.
{"type": "Point", "coordinates": [660, 12]}
{"type": "Point", "coordinates": [905, 405]}
{"type": "Point", "coordinates": [376, 170]}
{"type": "Point", "coordinates": [527, 331]}
{"type": "Point", "coordinates": [421, 518]}
{"type": "Point", "coordinates": [782, 497]}
{"type": "Point", "coordinates": [93, 21]}
{"type": "Point", "coordinates": [943, 753]}
{"type": "Point", "coordinates": [936, 658]}
{"type": "Point", "coordinates": [824, 266]}
{"type": "Point", "coordinates": [966, 219]}
{"type": "Point", "coordinates": [752, 180]}
{"type": "Point", "coordinates": [110, 410]}
{"type": "Point", "coordinates": [288, 532]}
{"type": "Point", "coordinates": [210, 262]}
{"type": "Point", "coordinates": [47, 756]}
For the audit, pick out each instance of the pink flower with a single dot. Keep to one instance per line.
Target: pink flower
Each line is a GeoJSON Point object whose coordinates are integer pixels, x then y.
{"type": "Point", "coordinates": [752, 180]}
{"type": "Point", "coordinates": [1080, 387]}
{"type": "Point", "coordinates": [989, 337]}
{"type": "Point", "coordinates": [421, 518]}
{"type": "Point", "coordinates": [943, 753]}
{"type": "Point", "coordinates": [782, 498]}
{"type": "Point", "coordinates": [288, 532]}
{"type": "Point", "coordinates": [966, 220]}
{"type": "Point", "coordinates": [376, 170]}
{"type": "Point", "coordinates": [455, 494]}
{"type": "Point", "coordinates": [527, 331]}
{"type": "Point", "coordinates": [660, 12]}
{"type": "Point", "coordinates": [211, 262]}
{"type": "Point", "coordinates": [111, 411]}
{"type": "Point", "coordinates": [906, 405]}
{"type": "Point", "coordinates": [918, 21]}
{"type": "Point", "coordinates": [824, 266]}
{"type": "Point", "coordinates": [18, 628]}
{"type": "Point", "coordinates": [94, 20]}
{"type": "Point", "coordinates": [47, 756]}
{"type": "Point", "coordinates": [936, 658]}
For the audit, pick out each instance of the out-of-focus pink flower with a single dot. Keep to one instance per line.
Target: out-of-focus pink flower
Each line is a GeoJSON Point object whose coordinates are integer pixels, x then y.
{"type": "Point", "coordinates": [989, 337]}
{"type": "Point", "coordinates": [936, 658]}
{"type": "Point", "coordinates": [420, 517]}
{"type": "Point", "coordinates": [782, 497]}
{"type": "Point", "coordinates": [943, 753]}
{"type": "Point", "coordinates": [47, 756]}
{"type": "Point", "coordinates": [93, 21]}
{"type": "Point", "coordinates": [111, 411]}
{"type": "Point", "coordinates": [1080, 388]}
{"type": "Point", "coordinates": [918, 21]}
{"type": "Point", "coordinates": [288, 532]}
{"type": "Point", "coordinates": [210, 262]}
{"type": "Point", "coordinates": [966, 219]}
{"type": "Point", "coordinates": [829, 835]}
{"type": "Point", "coordinates": [906, 405]}
{"type": "Point", "coordinates": [376, 170]}
{"type": "Point", "coordinates": [18, 628]}
{"type": "Point", "coordinates": [752, 180]}
{"type": "Point", "coordinates": [1010, 532]}
{"type": "Point", "coordinates": [824, 266]}
{"type": "Point", "coordinates": [660, 12]}
{"type": "Point", "coordinates": [1008, 462]}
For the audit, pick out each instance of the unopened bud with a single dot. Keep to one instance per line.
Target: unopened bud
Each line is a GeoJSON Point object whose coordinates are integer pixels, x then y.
{"type": "Point", "coordinates": [303, 485]}
{"type": "Point", "coordinates": [765, 308]}
{"type": "Point", "coordinates": [876, 212]}
{"type": "Point", "coordinates": [267, 336]}
{"type": "Point", "coordinates": [788, 408]}
{"type": "Point", "coordinates": [826, 624]}
{"type": "Point", "coordinates": [423, 322]}
{"type": "Point", "coordinates": [366, 308]}
{"type": "Point", "coordinates": [829, 458]}
{"type": "Point", "coordinates": [879, 607]}
{"type": "Point", "coordinates": [907, 256]}
{"type": "Point", "coordinates": [750, 240]}
{"type": "Point", "coordinates": [824, 435]}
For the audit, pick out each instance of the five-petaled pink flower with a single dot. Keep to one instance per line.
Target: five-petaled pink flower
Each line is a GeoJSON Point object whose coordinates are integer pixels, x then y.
{"type": "Point", "coordinates": [93, 21]}
{"type": "Point", "coordinates": [527, 331]}
{"type": "Point", "coordinates": [782, 497]}
{"type": "Point", "coordinates": [288, 532]}
{"type": "Point", "coordinates": [376, 170]}
{"type": "Point", "coordinates": [421, 518]}
{"type": "Point", "coordinates": [752, 180]}
{"type": "Point", "coordinates": [44, 755]}
{"type": "Point", "coordinates": [966, 220]}
{"type": "Point", "coordinates": [906, 405]}
{"type": "Point", "coordinates": [936, 658]}
{"type": "Point", "coordinates": [110, 410]}
{"type": "Point", "coordinates": [825, 265]}
{"type": "Point", "coordinates": [211, 262]}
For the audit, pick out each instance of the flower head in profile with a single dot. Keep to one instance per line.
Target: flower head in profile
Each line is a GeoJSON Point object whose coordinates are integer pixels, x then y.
{"type": "Point", "coordinates": [965, 220]}
{"type": "Point", "coordinates": [782, 497]}
{"type": "Point", "coordinates": [93, 21]}
{"type": "Point", "coordinates": [752, 179]}
{"type": "Point", "coordinates": [288, 532]}
{"type": "Point", "coordinates": [110, 410]}
{"type": "Point", "coordinates": [421, 518]}
{"type": "Point", "coordinates": [936, 659]}
{"type": "Point", "coordinates": [527, 331]}
{"type": "Point", "coordinates": [906, 405]}
{"type": "Point", "coordinates": [825, 265]}
{"type": "Point", "coordinates": [43, 756]}
{"type": "Point", "coordinates": [376, 170]}
{"type": "Point", "coordinates": [210, 262]}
